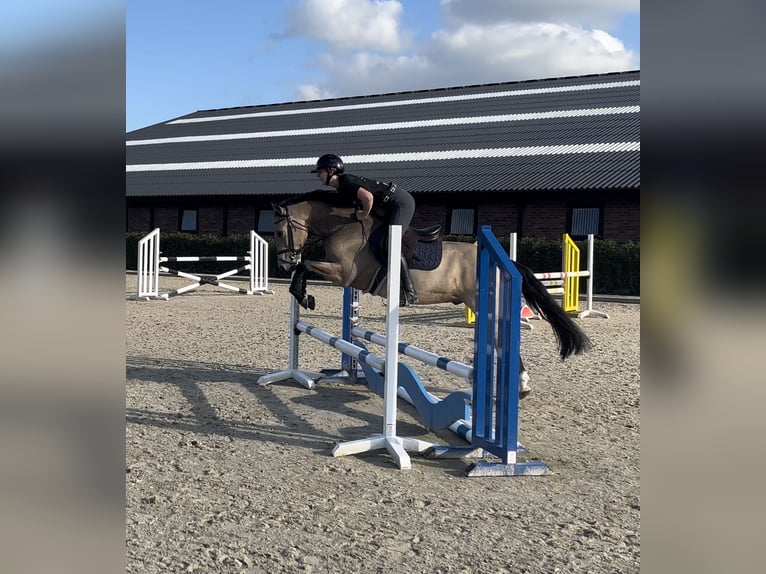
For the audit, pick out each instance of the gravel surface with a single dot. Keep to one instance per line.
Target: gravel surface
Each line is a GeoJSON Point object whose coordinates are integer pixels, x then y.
{"type": "Point", "coordinates": [223, 475]}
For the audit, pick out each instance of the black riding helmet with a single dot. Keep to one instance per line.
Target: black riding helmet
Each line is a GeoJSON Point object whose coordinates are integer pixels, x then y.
{"type": "Point", "coordinates": [327, 161]}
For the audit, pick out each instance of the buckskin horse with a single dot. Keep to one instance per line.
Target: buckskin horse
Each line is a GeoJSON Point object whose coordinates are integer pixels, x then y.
{"type": "Point", "coordinates": [442, 272]}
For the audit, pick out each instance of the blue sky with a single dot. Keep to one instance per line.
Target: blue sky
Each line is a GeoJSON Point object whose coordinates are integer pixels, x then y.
{"type": "Point", "coordinates": [188, 55]}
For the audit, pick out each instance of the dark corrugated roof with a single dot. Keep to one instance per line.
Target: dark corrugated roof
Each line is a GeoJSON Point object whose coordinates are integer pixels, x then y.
{"type": "Point", "coordinates": [520, 167]}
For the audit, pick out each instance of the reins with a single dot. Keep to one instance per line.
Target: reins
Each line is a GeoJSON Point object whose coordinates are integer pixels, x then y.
{"type": "Point", "coordinates": [313, 235]}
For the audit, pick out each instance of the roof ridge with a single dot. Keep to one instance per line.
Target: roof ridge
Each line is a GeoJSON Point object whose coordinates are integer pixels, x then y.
{"type": "Point", "coordinates": [423, 91]}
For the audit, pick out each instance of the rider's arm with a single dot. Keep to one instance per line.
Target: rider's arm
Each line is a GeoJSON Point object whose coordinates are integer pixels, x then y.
{"type": "Point", "coordinates": [366, 199]}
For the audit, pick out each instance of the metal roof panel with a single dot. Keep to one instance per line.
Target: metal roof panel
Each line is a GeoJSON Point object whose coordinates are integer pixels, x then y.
{"type": "Point", "coordinates": [446, 126]}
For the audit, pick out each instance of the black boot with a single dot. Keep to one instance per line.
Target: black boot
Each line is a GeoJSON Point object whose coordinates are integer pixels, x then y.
{"type": "Point", "coordinates": [408, 295]}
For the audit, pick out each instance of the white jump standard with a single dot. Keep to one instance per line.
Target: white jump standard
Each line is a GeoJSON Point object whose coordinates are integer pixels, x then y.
{"type": "Point", "coordinates": [396, 446]}
{"type": "Point", "coordinates": [149, 268]}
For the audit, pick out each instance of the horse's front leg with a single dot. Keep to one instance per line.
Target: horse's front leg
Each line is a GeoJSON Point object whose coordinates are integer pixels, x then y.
{"type": "Point", "coordinates": [326, 270]}
{"type": "Point", "coordinates": [298, 287]}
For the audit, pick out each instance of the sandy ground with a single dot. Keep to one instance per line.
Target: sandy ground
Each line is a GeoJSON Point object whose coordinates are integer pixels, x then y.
{"type": "Point", "coordinates": [224, 475]}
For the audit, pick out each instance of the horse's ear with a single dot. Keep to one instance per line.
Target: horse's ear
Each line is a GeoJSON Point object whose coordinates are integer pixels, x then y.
{"type": "Point", "coordinates": [278, 209]}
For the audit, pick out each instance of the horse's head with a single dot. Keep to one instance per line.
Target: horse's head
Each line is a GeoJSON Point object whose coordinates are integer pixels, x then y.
{"type": "Point", "coordinates": [290, 237]}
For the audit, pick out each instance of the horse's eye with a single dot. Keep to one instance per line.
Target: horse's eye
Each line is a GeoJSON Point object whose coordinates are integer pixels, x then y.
{"type": "Point", "coordinates": [280, 233]}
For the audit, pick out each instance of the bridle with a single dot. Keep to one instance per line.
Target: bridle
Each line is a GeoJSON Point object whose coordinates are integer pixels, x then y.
{"type": "Point", "coordinates": [293, 223]}
{"type": "Point", "coordinates": [313, 236]}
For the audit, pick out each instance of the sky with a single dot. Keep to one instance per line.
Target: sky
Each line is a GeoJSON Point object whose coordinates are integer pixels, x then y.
{"type": "Point", "coordinates": [183, 56]}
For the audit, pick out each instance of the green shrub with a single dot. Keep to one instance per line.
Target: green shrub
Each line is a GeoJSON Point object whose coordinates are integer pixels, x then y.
{"type": "Point", "coordinates": [617, 265]}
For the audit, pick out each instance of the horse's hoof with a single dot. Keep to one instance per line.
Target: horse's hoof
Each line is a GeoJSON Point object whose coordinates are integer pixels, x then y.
{"type": "Point", "coordinates": [304, 302]}
{"type": "Point", "coordinates": [311, 302]}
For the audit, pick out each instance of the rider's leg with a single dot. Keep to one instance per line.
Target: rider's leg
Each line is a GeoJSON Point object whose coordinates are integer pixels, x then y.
{"type": "Point", "coordinates": [408, 296]}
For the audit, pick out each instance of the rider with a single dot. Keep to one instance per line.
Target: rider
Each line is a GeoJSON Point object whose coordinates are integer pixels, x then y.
{"type": "Point", "coordinates": [385, 201]}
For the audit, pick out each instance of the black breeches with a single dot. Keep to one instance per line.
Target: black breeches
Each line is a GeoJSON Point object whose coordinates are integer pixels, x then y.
{"type": "Point", "coordinates": [401, 210]}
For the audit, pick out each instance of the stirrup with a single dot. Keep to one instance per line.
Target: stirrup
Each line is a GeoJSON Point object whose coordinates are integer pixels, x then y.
{"type": "Point", "coordinates": [407, 299]}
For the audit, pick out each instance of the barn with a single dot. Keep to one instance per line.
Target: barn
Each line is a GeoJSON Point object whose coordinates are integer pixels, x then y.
{"type": "Point", "coordinates": [540, 158]}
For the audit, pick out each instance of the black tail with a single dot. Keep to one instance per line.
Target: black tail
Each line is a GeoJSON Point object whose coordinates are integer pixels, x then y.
{"type": "Point", "coordinates": [572, 340]}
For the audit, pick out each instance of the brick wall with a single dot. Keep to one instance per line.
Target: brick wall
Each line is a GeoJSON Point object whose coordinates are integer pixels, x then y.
{"type": "Point", "coordinates": [502, 217]}
{"type": "Point", "coordinates": [210, 220]}
{"type": "Point", "coordinates": [544, 219]}
{"type": "Point", "coordinates": [429, 213]}
{"type": "Point", "coordinates": [166, 218]}
{"type": "Point", "coordinates": [139, 219]}
{"type": "Point", "coordinates": [242, 219]}
{"type": "Point", "coordinates": [541, 219]}
{"type": "Point", "coordinates": [622, 221]}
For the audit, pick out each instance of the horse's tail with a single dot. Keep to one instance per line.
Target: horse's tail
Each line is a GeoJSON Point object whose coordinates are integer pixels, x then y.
{"type": "Point", "coordinates": [572, 340]}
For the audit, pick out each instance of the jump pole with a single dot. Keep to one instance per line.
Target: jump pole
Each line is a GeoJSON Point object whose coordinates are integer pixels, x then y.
{"type": "Point", "coordinates": [569, 277]}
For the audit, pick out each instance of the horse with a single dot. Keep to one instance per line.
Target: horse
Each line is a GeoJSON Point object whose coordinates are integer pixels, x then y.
{"type": "Point", "coordinates": [351, 260]}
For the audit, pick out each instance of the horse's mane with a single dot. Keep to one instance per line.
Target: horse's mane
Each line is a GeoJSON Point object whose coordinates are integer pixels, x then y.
{"type": "Point", "coordinates": [330, 197]}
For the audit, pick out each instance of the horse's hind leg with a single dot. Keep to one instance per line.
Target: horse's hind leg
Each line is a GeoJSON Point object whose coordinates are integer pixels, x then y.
{"type": "Point", "coordinates": [524, 388]}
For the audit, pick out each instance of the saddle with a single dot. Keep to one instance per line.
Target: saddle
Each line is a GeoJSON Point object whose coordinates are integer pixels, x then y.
{"type": "Point", "coordinates": [426, 234]}
{"type": "Point", "coordinates": [422, 248]}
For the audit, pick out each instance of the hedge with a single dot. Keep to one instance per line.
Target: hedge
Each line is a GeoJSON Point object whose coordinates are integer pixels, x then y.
{"type": "Point", "coordinates": [617, 265]}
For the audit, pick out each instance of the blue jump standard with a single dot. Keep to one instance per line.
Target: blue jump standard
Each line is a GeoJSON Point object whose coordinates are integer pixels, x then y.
{"type": "Point", "coordinates": [436, 414]}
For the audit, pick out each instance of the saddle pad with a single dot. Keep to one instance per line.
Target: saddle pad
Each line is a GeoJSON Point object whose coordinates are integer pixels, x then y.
{"type": "Point", "coordinates": [427, 256]}
{"type": "Point", "coordinates": [419, 255]}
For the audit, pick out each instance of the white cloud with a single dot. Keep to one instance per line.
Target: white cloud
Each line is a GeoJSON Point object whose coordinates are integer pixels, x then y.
{"type": "Point", "coordinates": [310, 92]}
{"type": "Point", "coordinates": [591, 13]}
{"type": "Point", "coordinates": [474, 54]}
{"type": "Point", "coordinates": [545, 47]}
{"type": "Point", "coordinates": [348, 25]}
{"type": "Point", "coordinates": [610, 43]}
{"type": "Point", "coordinates": [482, 42]}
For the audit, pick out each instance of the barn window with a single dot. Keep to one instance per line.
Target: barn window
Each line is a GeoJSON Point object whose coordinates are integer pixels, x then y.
{"type": "Point", "coordinates": [189, 220]}
{"type": "Point", "coordinates": [266, 221]}
{"type": "Point", "coordinates": [461, 222]}
{"type": "Point", "coordinates": [585, 221]}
